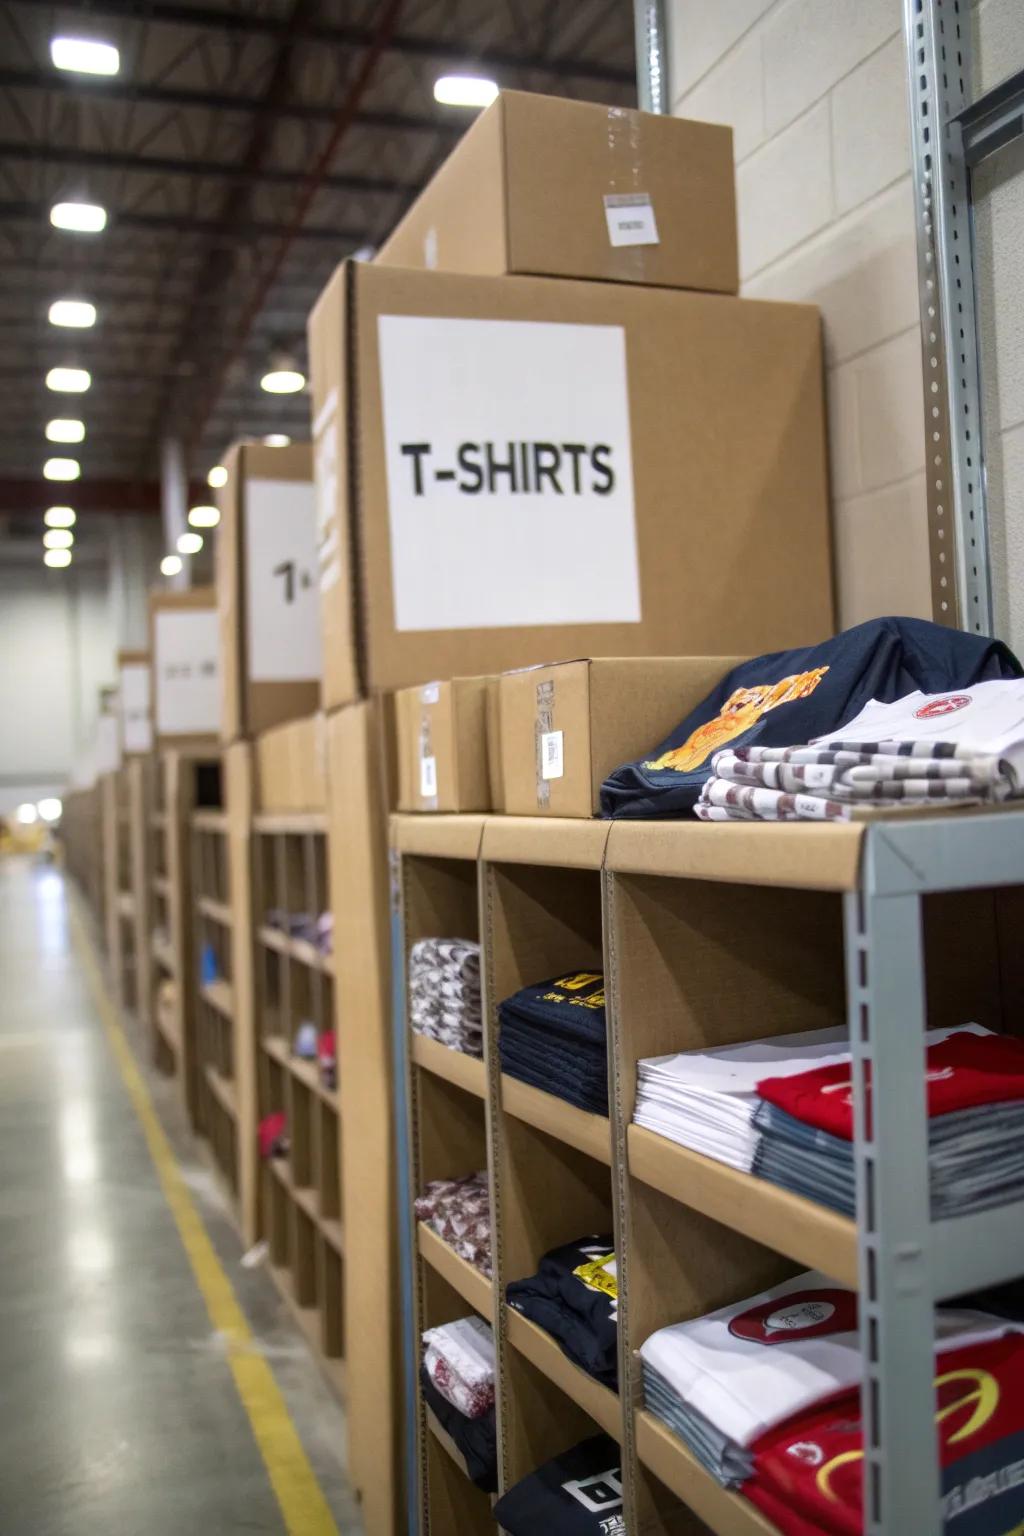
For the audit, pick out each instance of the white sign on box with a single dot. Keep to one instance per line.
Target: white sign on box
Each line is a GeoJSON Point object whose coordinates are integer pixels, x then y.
{"type": "Point", "coordinates": [282, 601]}
{"type": "Point", "coordinates": [187, 665]}
{"type": "Point", "coordinates": [510, 473]}
{"type": "Point", "coordinates": [136, 726]}
{"type": "Point", "coordinates": [630, 218]}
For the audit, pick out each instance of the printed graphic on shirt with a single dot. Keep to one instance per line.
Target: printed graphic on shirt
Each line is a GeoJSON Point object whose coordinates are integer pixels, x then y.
{"type": "Point", "coordinates": [580, 981]}
{"type": "Point", "coordinates": [602, 1491]}
{"type": "Point", "coordinates": [600, 1275]}
{"type": "Point", "coordinates": [803, 1315]}
{"type": "Point", "coordinates": [948, 706]}
{"type": "Point", "coordinates": [741, 710]}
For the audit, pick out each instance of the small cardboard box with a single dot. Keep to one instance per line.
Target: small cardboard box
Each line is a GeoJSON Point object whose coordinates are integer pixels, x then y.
{"type": "Point", "coordinates": [184, 644]}
{"type": "Point", "coordinates": [542, 186]}
{"type": "Point", "coordinates": [266, 588]}
{"type": "Point", "coordinates": [564, 728]}
{"type": "Point", "coordinates": [134, 699]}
{"type": "Point", "coordinates": [518, 470]}
{"type": "Point", "coordinates": [442, 746]}
{"type": "Point", "coordinates": [291, 766]}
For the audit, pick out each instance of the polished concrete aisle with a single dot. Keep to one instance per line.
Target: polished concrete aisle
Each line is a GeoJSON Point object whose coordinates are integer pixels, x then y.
{"type": "Point", "coordinates": [119, 1414]}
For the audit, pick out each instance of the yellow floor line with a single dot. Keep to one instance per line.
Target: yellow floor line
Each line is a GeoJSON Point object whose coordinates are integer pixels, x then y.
{"type": "Point", "coordinates": [293, 1480]}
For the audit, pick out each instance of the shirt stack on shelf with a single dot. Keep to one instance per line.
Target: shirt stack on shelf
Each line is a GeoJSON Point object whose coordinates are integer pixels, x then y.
{"type": "Point", "coordinates": [578, 1493]}
{"type": "Point", "coordinates": [553, 1036]}
{"type": "Point", "coordinates": [459, 1211]}
{"type": "Point", "coordinates": [574, 1297]}
{"type": "Point", "coordinates": [457, 1380]}
{"type": "Point", "coordinates": [444, 993]}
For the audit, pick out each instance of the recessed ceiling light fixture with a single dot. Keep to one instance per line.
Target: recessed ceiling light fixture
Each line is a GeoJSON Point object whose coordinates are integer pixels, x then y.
{"type": "Point", "coordinates": [61, 469]}
{"type": "Point", "coordinates": [59, 517]}
{"type": "Point", "coordinates": [80, 218]}
{"type": "Point", "coordinates": [170, 565]}
{"type": "Point", "coordinates": [84, 55]}
{"type": "Point", "coordinates": [57, 557]}
{"type": "Point", "coordinates": [217, 477]}
{"type": "Point", "coordinates": [78, 313]}
{"type": "Point", "coordinates": [50, 808]}
{"type": "Point", "coordinates": [283, 381]}
{"type": "Point", "coordinates": [69, 381]}
{"type": "Point", "coordinates": [465, 91]}
{"type": "Point", "coordinates": [189, 543]}
{"type": "Point", "coordinates": [65, 429]}
{"type": "Point", "coordinates": [276, 440]}
{"type": "Point", "coordinates": [58, 538]}
{"type": "Point", "coordinates": [26, 814]}
{"type": "Point", "coordinates": [204, 517]}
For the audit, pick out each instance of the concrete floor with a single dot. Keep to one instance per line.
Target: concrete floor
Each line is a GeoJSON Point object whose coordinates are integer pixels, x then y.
{"type": "Point", "coordinates": [118, 1412]}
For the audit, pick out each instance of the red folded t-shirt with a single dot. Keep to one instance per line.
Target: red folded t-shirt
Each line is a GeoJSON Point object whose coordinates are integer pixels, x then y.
{"type": "Point", "coordinates": [964, 1071]}
{"type": "Point", "coordinates": [808, 1476]}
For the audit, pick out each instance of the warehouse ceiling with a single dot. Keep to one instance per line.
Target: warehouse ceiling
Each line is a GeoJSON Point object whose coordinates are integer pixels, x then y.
{"type": "Point", "coordinates": [241, 151]}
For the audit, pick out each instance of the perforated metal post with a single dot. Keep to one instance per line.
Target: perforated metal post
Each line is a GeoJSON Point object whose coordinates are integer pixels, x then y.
{"type": "Point", "coordinates": [651, 55]}
{"type": "Point", "coordinates": [938, 61]}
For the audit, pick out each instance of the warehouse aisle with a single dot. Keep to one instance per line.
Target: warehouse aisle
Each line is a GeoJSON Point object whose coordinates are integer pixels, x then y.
{"type": "Point", "coordinates": [119, 1409]}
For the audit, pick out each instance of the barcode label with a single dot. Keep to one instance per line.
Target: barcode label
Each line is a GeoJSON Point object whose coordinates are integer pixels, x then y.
{"type": "Point", "coordinates": [630, 217]}
{"type": "Point", "coordinates": [552, 762]}
{"type": "Point", "coordinates": [428, 778]}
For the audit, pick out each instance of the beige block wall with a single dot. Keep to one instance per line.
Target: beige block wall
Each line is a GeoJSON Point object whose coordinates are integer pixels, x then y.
{"type": "Point", "coordinates": [816, 95]}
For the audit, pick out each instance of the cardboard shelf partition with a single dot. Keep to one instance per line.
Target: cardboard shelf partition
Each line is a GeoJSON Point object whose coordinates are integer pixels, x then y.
{"type": "Point", "coordinates": [722, 1511]}
{"type": "Point", "coordinates": [125, 904]}
{"type": "Point", "coordinates": [471, 1285]}
{"type": "Point", "coordinates": [300, 950]}
{"type": "Point", "coordinates": [298, 823]}
{"type": "Point", "coordinates": [162, 886]}
{"type": "Point", "coordinates": [578, 1128]}
{"type": "Point", "coordinates": [813, 1235]}
{"type": "Point", "coordinates": [446, 1442]}
{"type": "Point", "coordinates": [216, 911]}
{"type": "Point", "coordinates": [163, 954]}
{"type": "Point", "coordinates": [223, 1090]}
{"type": "Point", "coordinates": [220, 995]}
{"type": "Point", "coordinates": [559, 842]}
{"type": "Point", "coordinates": [595, 1399]}
{"type": "Point", "coordinates": [456, 1067]}
{"type": "Point", "coordinates": [209, 820]}
{"type": "Point", "coordinates": [815, 856]}
{"type": "Point", "coordinates": [437, 837]}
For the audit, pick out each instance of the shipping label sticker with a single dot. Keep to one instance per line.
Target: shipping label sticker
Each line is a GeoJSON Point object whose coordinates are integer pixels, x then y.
{"type": "Point", "coordinates": [512, 466]}
{"type": "Point", "coordinates": [428, 778]}
{"type": "Point", "coordinates": [552, 760]}
{"type": "Point", "coordinates": [282, 603]}
{"type": "Point", "coordinates": [630, 217]}
{"type": "Point", "coordinates": [187, 672]}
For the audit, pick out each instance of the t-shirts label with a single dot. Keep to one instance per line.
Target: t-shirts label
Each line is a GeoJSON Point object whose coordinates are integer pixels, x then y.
{"type": "Point", "coordinates": [187, 671]}
{"type": "Point", "coordinates": [282, 601]}
{"type": "Point", "coordinates": [630, 217]}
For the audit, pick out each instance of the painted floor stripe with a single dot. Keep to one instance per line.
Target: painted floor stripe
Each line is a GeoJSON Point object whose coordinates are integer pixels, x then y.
{"type": "Point", "coordinates": [303, 1506]}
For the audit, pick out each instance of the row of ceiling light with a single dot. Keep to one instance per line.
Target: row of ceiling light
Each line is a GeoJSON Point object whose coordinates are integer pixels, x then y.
{"type": "Point", "coordinates": [92, 56]}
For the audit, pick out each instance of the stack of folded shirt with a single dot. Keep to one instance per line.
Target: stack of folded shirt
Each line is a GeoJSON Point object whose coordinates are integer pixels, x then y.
{"type": "Point", "coordinates": [576, 1494]}
{"type": "Point", "coordinates": [444, 993]}
{"type": "Point", "coordinates": [553, 1037]}
{"type": "Point", "coordinates": [459, 1359]}
{"type": "Point", "coordinates": [722, 1381]}
{"type": "Point", "coordinates": [459, 1211]}
{"type": "Point", "coordinates": [574, 1297]}
{"type": "Point", "coordinates": [475, 1438]}
{"type": "Point", "coordinates": [962, 748]}
{"type": "Point", "coordinates": [975, 1127]}
{"type": "Point", "coordinates": [808, 1473]}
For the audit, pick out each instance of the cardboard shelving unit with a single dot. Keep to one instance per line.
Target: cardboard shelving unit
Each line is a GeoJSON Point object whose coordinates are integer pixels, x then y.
{"type": "Point", "coordinates": [300, 1193]}
{"type": "Point", "coordinates": [707, 936]}
{"type": "Point", "coordinates": [81, 833]}
{"type": "Point", "coordinates": [124, 801]}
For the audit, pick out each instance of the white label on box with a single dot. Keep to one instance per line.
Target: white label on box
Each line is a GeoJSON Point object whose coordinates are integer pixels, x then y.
{"type": "Point", "coordinates": [510, 473]}
{"type": "Point", "coordinates": [281, 601]}
{"type": "Point", "coordinates": [187, 665]}
{"type": "Point", "coordinates": [552, 760]}
{"type": "Point", "coordinates": [428, 778]}
{"type": "Point", "coordinates": [430, 693]}
{"type": "Point", "coordinates": [136, 726]}
{"type": "Point", "coordinates": [630, 217]}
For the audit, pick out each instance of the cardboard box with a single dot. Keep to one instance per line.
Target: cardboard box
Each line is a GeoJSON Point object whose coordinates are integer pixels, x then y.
{"type": "Point", "coordinates": [520, 470]}
{"type": "Point", "coordinates": [442, 746]}
{"type": "Point", "coordinates": [542, 186]}
{"type": "Point", "coordinates": [291, 766]}
{"type": "Point", "coordinates": [184, 644]}
{"type": "Point", "coordinates": [564, 728]}
{"type": "Point", "coordinates": [495, 772]}
{"type": "Point", "coordinates": [135, 705]}
{"type": "Point", "coordinates": [266, 588]}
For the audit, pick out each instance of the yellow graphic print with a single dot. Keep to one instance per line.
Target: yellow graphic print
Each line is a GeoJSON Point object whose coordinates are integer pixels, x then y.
{"type": "Point", "coordinates": [574, 983]}
{"type": "Point", "coordinates": [742, 709]}
{"type": "Point", "coordinates": [596, 1277]}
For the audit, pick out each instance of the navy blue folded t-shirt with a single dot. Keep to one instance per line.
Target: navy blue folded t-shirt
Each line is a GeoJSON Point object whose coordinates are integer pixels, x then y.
{"type": "Point", "coordinates": [574, 1297]}
{"type": "Point", "coordinates": [576, 1494]}
{"type": "Point", "coordinates": [788, 698]}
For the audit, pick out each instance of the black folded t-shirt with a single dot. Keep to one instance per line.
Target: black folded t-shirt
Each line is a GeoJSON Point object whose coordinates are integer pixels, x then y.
{"type": "Point", "coordinates": [574, 1297]}
{"type": "Point", "coordinates": [576, 1494]}
{"type": "Point", "coordinates": [476, 1438]}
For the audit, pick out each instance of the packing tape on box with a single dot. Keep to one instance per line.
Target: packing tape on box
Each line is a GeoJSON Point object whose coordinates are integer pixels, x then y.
{"type": "Point", "coordinates": [628, 209]}
{"type": "Point", "coordinates": [542, 728]}
{"type": "Point", "coordinates": [429, 694]}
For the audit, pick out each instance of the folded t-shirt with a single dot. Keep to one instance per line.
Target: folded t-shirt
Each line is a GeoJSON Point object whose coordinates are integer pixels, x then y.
{"type": "Point", "coordinates": [576, 1494]}
{"type": "Point", "coordinates": [574, 1297]}
{"type": "Point", "coordinates": [475, 1438]}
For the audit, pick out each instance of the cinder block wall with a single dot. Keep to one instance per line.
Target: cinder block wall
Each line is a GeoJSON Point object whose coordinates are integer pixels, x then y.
{"type": "Point", "coordinates": [816, 95]}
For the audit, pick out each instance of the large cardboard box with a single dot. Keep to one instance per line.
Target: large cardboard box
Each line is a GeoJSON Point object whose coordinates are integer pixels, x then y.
{"type": "Point", "coordinates": [134, 700]}
{"type": "Point", "coordinates": [542, 186]}
{"type": "Point", "coordinates": [564, 728]}
{"type": "Point", "coordinates": [266, 588]}
{"type": "Point", "coordinates": [291, 766]}
{"type": "Point", "coordinates": [442, 746]}
{"type": "Point", "coordinates": [517, 470]}
{"type": "Point", "coordinates": [184, 644]}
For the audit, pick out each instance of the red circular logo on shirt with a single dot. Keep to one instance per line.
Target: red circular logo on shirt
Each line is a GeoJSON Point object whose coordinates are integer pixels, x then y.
{"type": "Point", "coordinates": [947, 706]}
{"type": "Point", "coordinates": [800, 1315]}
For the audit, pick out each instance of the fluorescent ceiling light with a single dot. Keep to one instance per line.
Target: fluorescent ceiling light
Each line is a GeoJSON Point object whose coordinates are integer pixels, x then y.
{"type": "Point", "coordinates": [76, 312]}
{"type": "Point", "coordinates": [465, 91]}
{"type": "Point", "coordinates": [283, 381]}
{"type": "Point", "coordinates": [57, 557]}
{"type": "Point", "coordinates": [217, 477]}
{"type": "Point", "coordinates": [65, 429]}
{"type": "Point", "coordinates": [50, 808]}
{"type": "Point", "coordinates": [189, 543]}
{"type": "Point", "coordinates": [58, 538]}
{"type": "Point", "coordinates": [170, 565]}
{"type": "Point", "coordinates": [83, 218]}
{"type": "Point", "coordinates": [204, 517]}
{"type": "Point", "coordinates": [85, 56]}
{"type": "Point", "coordinates": [276, 440]}
{"type": "Point", "coordinates": [61, 469]}
{"type": "Point", "coordinates": [59, 517]}
{"type": "Point", "coordinates": [69, 381]}
{"type": "Point", "coordinates": [26, 814]}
